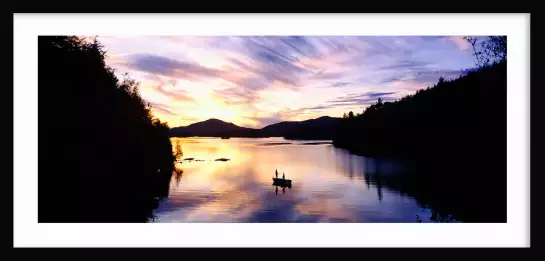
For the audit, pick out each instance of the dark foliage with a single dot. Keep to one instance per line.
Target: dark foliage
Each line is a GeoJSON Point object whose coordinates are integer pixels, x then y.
{"type": "Point", "coordinates": [454, 133]}
{"type": "Point", "coordinates": [322, 128]}
{"type": "Point", "coordinates": [489, 50]}
{"type": "Point", "coordinates": [103, 157]}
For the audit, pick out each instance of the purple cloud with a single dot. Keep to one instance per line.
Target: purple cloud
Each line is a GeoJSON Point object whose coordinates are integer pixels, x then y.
{"type": "Point", "coordinates": [169, 67]}
{"type": "Point", "coordinates": [328, 75]}
{"type": "Point", "coordinates": [422, 77]}
{"type": "Point", "coordinates": [167, 88]}
{"type": "Point", "coordinates": [236, 96]}
{"type": "Point", "coordinates": [238, 68]}
{"type": "Point", "coordinates": [339, 84]}
{"type": "Point", "coordinates": [162, 108]}
{"type": "Point", "coordinates": [362, 98]}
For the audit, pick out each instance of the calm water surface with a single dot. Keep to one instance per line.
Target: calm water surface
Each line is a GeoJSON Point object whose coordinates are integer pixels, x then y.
{"type": "Point", "coordinates": [328, 184]}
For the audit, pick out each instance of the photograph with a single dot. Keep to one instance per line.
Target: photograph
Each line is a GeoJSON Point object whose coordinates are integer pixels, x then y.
{"type": "Point", "coordinates": [271, 130]}
{"type": "Point", "coordinates": [280, 128]}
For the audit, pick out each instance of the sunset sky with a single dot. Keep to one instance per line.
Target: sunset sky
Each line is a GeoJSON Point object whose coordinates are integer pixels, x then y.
{"type": "Point", "coordinates": [257, 81]}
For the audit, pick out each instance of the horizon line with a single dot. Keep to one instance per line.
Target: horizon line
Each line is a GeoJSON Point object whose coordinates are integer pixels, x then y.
{"type": "Point", "coordinates": [250, 127]}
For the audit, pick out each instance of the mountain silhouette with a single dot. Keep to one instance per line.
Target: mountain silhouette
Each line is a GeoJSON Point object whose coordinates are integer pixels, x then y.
{"type": "Point", "coordinates": [212, 128]}
{"type": "Point", "coordinates": [319, 128]}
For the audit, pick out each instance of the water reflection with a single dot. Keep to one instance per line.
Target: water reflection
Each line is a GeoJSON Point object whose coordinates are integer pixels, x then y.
{"type": "Point", "coordinates": [331, 185]}
{"type": "Point", "coordinates": [178, 172]}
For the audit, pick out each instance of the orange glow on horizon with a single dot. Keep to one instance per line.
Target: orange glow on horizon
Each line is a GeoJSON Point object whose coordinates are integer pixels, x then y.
{"type": "Point", "coordinates": [253, 82]}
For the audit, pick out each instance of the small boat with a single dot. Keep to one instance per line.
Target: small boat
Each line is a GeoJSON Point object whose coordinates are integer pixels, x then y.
{"type": "Point", "coordinates": [282, 182]}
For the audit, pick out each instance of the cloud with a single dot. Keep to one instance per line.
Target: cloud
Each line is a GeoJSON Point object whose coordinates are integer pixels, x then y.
{"type": "Point", "coordinates": [177, 96]}
{"type": "Point", "coordinates": [328, 75]}
{"type": "Point", "coordinates": [271, 61]}
{"type": "Point", "coordinates": [360, 99]}
{"type": "Point", "coordinates": [278, 58]}
{"type": "Point", "coordinates": [239, 70]}
{"type": "Point", "coordinates": [162, 108]}
{"type": "Point", "coordinates": [261, 76]}
{"type": "Point", "coordinates": [319, 107]}
{"type": "Point", "coordinates": [424, 78]}
{"type": "Point", "coordinates": [288, 48]}
{"type": "Point", "coordinates": [460, 42]}
{"type": "Point", "coordinates": [363, 95]}
{"type": "Point", "coordinates": [236, 95]}
{"type": "Point", "coordinates": [428, 77]}
{"type": "Point", "coordinates": [170, 67]}
{"type": "Point", "coordinates": [339, 84]}
{"type": "Point", "coordinates": [378, 94]}
{"type": "Point", "coordinates": [185, 39]}
{"type": "Point", "coordinates": [353, 101]}
{"type": "Point", "coordinates": [406, 65]}
{"type": "Point", "coordinates": [166, 88]}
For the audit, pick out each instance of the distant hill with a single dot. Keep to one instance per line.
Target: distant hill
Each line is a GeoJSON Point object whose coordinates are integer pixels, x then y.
{"type": "Point", "coordinates": [320, 128]}
{"type": "Point", "coordinates": [213, 128]}
{"type": "Point", "coordinates": [315, 129]}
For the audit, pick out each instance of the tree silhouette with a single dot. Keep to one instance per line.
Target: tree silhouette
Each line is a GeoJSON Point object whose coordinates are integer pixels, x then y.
{"type": "Point", "coordinates": [456, 141]}
{"type": "Point", "coordinates": [103, 157]}
{"type": "Point", "coordinates": [491, 49]}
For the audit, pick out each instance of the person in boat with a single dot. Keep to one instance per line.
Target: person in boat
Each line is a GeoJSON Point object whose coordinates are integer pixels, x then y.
{"type": "Point", "coordinates": [283, 176]}
{"type": "Point", "coordinates": [276, 173]}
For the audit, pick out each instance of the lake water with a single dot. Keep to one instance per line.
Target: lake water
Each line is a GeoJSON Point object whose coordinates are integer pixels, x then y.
{"type": "Point", "coordinates": [328, 184]}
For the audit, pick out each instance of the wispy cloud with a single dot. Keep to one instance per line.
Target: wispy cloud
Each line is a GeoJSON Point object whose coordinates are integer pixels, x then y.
{"type": "Point", "coordinates": [262, 79]}
{"type": "Point", "coordinates": [169, 67]}
{"type": "Point", "coordinates": [350, 100]}
{"type": "Point", "coordinates": [162, 108]}
{"type": "Point", "coordinates": [327, 75]}
{"type": "Point", "coordinates": [361, 98]}
{"type": "Point", "coordinates": [236, 96]}
{"type": "Point", "coordinates": [420, 78]}
{"type": "Point", "coordinates": [167, 87]}
{"type": "Point", "coordinates": [340, 84]}
{"type": "Point", "coordinates": [406, 65]}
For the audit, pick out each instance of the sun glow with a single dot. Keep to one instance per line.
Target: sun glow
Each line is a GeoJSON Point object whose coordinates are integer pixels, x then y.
{"type": "Point", "coordinates": [257, 81]}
